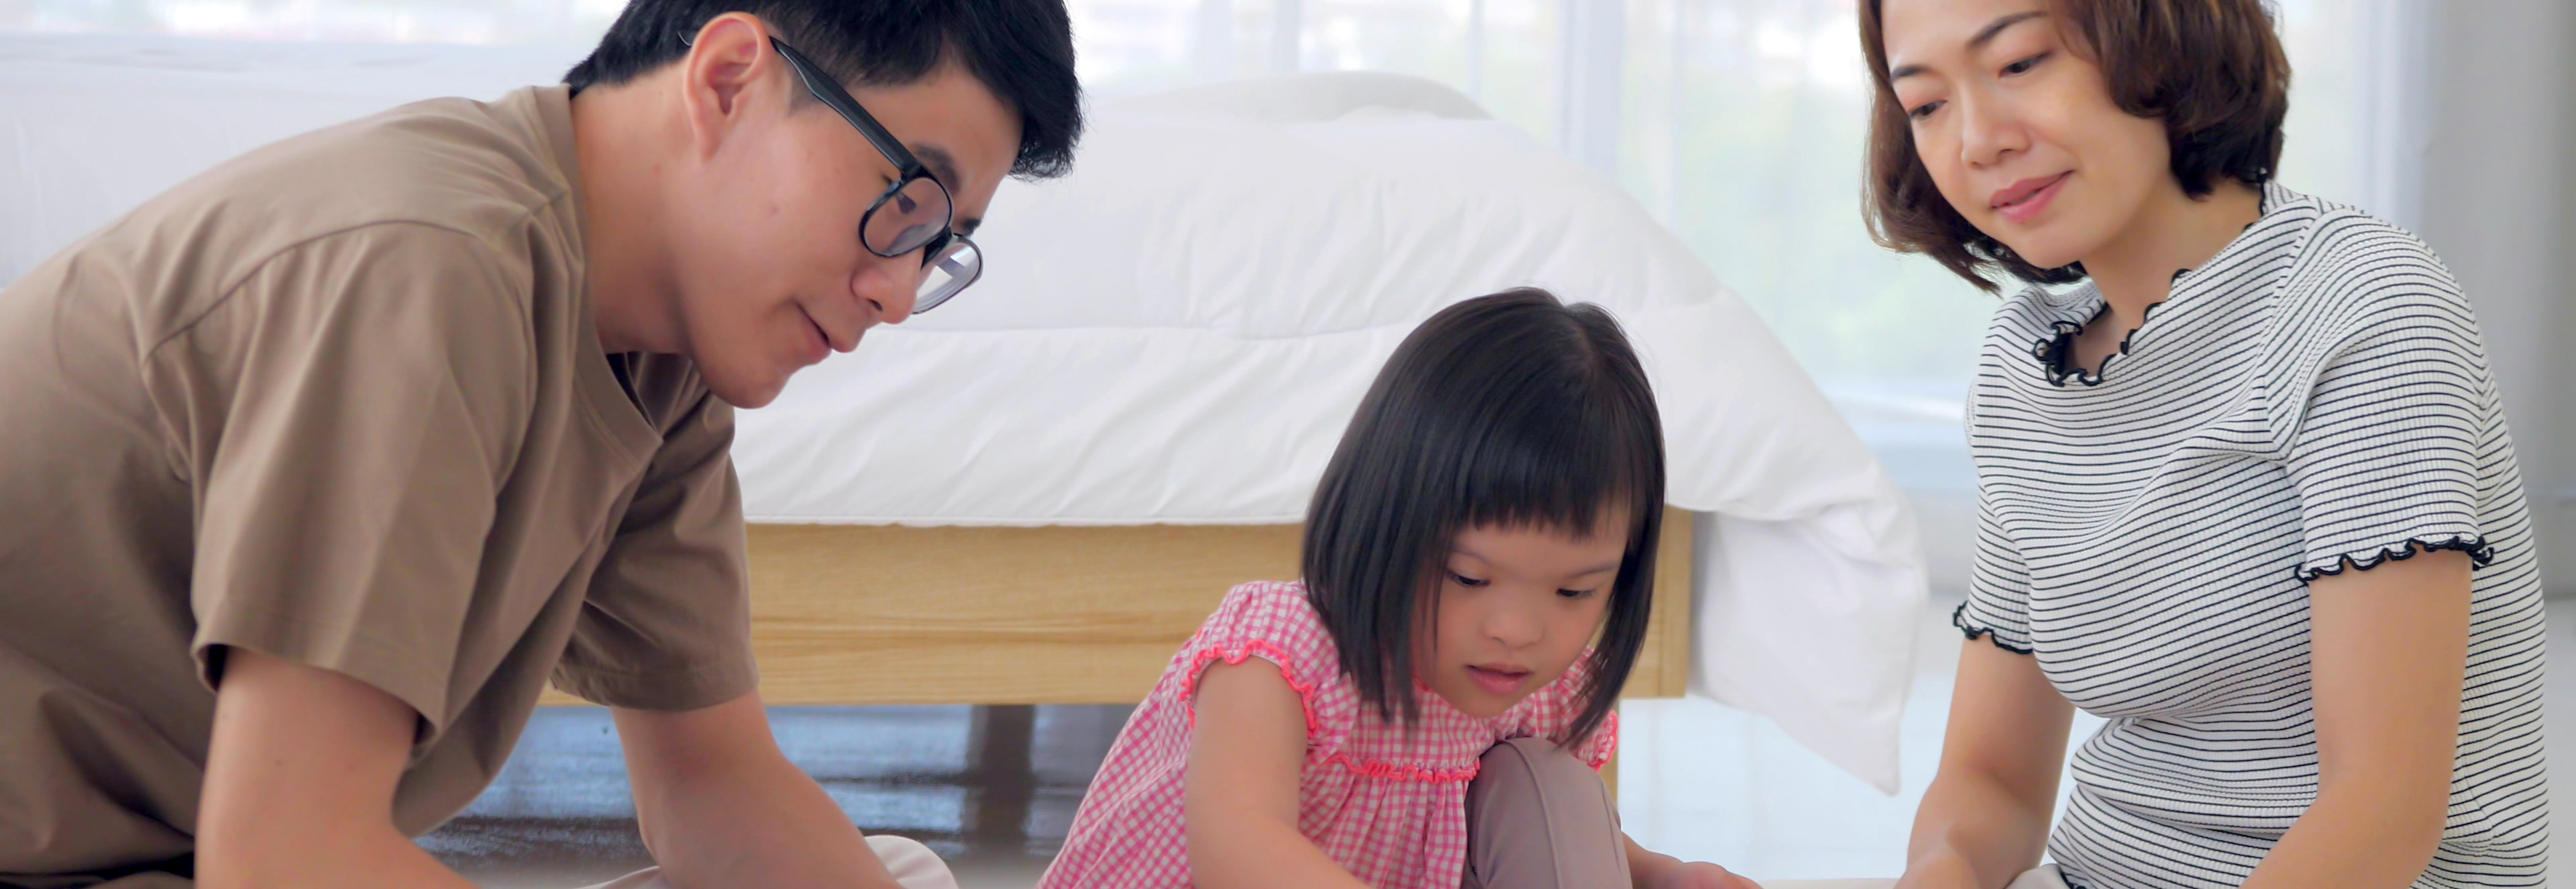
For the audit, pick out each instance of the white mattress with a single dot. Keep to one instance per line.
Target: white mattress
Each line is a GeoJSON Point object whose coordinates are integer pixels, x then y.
{"type": "Point", "coordinates": [1175, 333]}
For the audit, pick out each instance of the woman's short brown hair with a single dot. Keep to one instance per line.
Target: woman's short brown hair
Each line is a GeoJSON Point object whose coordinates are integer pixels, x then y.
{"type": "Point", "coordinates": [2212, 70]}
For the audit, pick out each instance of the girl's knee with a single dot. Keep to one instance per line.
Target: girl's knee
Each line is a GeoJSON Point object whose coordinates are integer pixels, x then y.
{"type": "Point", "coordinates": [1538, 817]}
{"type": "Point", "coordinates": [1536, 772]}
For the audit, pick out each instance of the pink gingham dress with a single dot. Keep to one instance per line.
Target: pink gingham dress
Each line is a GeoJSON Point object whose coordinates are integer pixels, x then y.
{"type": "Point", "coordinates": [1388, 805]}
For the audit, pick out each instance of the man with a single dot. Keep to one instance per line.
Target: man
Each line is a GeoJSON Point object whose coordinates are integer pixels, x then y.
{"type": "Point", "coordinates": [322, 464]}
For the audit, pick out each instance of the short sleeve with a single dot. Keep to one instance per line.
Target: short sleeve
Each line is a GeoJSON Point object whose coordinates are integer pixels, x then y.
{"type": "Point", "coordinates": [666, 624]}
{"type": "Point", "coordinates": [346, 414]}
{"type": "Point", "coordinates": [1273, 622]}
{"type": "Point", "coordinates": [1998, 605]}
{"type": "Point", "coordinates": [2388, 446]}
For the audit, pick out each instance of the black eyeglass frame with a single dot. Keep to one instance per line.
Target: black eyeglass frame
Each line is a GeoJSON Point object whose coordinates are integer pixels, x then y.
{"type": "Point", "coordinates": [908, 167]}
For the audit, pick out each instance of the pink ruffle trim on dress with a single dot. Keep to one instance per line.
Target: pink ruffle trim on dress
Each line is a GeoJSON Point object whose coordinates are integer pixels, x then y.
{"type": "Point", "coordinates": [1235, 655]}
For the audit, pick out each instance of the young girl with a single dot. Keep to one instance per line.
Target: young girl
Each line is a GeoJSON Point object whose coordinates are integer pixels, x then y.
{"type": "Point", "coordinates": [1428, 708]}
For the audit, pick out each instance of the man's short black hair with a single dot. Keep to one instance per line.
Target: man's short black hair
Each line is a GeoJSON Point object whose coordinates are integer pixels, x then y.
{"type": "Point", "coordinates": [1020, 49]}
{"type": "Point", "coordinates": [1509, 410]}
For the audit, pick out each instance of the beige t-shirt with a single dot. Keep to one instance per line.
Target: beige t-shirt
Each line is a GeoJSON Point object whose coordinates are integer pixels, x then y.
{"type": "Point", "coordinates": [340, 401]}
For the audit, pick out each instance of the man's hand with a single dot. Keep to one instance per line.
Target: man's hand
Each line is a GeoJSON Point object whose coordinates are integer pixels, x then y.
{"type": "Point", "coordinates": [720, 806]}
{"type": "Point", "coordinates": [300, 779]}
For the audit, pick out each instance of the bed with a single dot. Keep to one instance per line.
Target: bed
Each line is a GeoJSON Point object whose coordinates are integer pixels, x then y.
{"type": "Point", "coordinates": [1035, 494]}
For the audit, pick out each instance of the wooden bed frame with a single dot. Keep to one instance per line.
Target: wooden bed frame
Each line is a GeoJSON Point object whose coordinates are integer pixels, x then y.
{"type": "Point", "coordinates": [874, 614]}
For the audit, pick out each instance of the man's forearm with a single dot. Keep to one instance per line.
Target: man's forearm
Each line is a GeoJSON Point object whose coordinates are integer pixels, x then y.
{"type": "Point", "coordinates": [323, 860]}
{"type": "Point", "coordinates": [757, 824]}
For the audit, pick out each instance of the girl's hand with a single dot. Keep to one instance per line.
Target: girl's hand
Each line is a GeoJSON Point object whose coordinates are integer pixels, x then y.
{"type": "Point", "coordinates": [1703, 875]}
{"type": "Point", "coordinates": [1654, 870]}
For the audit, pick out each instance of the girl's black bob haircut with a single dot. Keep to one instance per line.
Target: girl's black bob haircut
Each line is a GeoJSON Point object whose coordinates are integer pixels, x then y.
{"type": "Point", "coordinates": [1509, 410]}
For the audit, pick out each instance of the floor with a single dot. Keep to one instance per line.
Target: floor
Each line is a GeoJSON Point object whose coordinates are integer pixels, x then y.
{"type": "Point", "coordinates": [1697, 780]}
{"type": "Point", "coordinates": [560, 815]}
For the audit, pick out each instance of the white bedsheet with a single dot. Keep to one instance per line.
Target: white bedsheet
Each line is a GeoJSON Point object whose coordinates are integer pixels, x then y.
{"type": "Point", "coordinates": [1175, 333]}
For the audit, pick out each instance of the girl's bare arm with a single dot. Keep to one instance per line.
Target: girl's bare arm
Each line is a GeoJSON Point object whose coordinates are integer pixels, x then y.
{"type": "Point", "coordinates": [1240, 798]}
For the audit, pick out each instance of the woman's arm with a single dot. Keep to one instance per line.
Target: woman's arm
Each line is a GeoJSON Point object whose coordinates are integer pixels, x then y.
{"type": "Point", "coordinates": [1985, 818]}
{"type": "Point", "coordinates": [2388, 648]}
{"type": "Point", "coordinates": [1239, 798]}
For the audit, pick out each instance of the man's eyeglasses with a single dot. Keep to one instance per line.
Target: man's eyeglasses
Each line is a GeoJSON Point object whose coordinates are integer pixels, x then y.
{"type": "Point", "coordinates": [915, 213]}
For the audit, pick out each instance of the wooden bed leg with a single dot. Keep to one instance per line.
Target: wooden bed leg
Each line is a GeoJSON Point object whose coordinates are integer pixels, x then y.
{"type": "Point", "coordinates": [998, 748]}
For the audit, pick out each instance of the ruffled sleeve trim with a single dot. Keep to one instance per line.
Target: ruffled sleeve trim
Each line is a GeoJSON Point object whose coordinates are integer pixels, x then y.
{"type": "Point", "coordinates": [1235, 653]}
{"type": "Point", "coordinates": [1959, 618]}
{"type": "Point", "coordinates": [2480, 555]}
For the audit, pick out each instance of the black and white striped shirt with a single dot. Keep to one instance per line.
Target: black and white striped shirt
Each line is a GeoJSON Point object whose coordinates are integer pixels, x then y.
{"type": "Point", "coordinates": [2312, 400]}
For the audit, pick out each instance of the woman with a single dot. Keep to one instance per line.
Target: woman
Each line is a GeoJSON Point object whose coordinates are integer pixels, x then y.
{"type": "Point", "coordinates": [2245, 487]}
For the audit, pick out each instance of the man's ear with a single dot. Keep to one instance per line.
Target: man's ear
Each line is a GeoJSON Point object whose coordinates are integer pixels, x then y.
{"type": "Point", "coordinates": [729, 63]}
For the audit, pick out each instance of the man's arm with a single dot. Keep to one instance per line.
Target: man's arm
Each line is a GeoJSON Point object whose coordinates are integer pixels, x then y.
{"type": "Point", "coordinates": [721, 806]}
{"type": "Point", "coordinates": [300, 780]}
